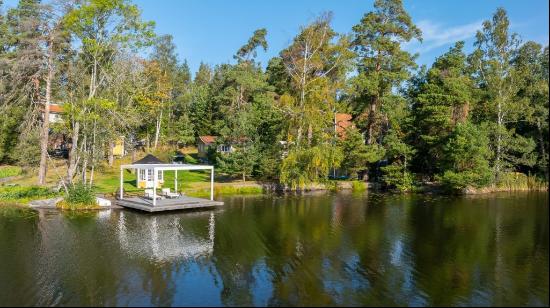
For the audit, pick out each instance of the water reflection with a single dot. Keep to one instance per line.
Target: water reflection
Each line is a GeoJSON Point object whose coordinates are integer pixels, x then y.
{"type": "Point", "coordinates": [341, 249]}
{"type": "Point", "coordinates": [164, 238]}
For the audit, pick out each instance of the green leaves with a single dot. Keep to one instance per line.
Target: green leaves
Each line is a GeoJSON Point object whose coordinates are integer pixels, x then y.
{"type": "Point", "coordinates": [248, 50]}
{"type": "Point", "coordinates": [466, 158]}
{"type": "Point", "coordinates": [357, 155]}
{"type": "Point", "coordinates": [304, 166]}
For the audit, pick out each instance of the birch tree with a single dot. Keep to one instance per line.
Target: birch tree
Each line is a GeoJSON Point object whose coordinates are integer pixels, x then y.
{"type": "Point", "coordinates": [102, 28]}
{"type": "Point", "coordinates": [496, 49]}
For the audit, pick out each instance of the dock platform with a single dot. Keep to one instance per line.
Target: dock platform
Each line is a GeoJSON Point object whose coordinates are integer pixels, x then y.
{"type": "Point", "coordinates": [181, 203]}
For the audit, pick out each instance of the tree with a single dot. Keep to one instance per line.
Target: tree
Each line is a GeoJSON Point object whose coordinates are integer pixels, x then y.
{"type": "Point", "coordinates": [531, 63]}
{"type": "Point", "coordinates": [466, 158]}
{"type": "Point", "coordinates": [55, 38]}
{"type": "Point", "coordinates": [248, 50]}
{"type": "Point", "coordinates": [381, 63]}
{"type": "Point", "coordinates": [201, 108]}
{"type": "Point", "coordinates": [356, 153]}
{"type": "Point", "coordinates": [153, 99]}
{"type": "Point", "coordinates": [441, 100]}
{"type": "Point", "coordinates": [496, 49]}
{"type": "Point", "coordinates": [21, 68]}
{"type": "Point", "coordinates": [315, 61]}
{"type": "Point", "coordinates": [102, 29]}
{"type": "Point", "coordinates": [241, 161]}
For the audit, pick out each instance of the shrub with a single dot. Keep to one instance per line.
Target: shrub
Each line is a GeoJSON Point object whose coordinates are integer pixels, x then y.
{"type": "Point", "coordinates": [80, 195]}
{"type": "Point", "coordinates": [358, 186]}
{"type": "Point", "coordinates": [395, 176]}
{"type": "Point", "coordinates": [7, 171]}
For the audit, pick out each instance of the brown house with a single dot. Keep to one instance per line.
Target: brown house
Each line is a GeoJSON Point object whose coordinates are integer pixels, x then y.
{"type": "Point", "coordinates": [342, 121]}
{"type": "Point", "coordinates": [205, 142]}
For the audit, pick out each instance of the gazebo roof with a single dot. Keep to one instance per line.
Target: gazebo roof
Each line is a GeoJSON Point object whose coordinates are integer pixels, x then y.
{"type": "Point", "coordinates": [149, 159]}
{"type": "Point", "coordinates": [151, 162]}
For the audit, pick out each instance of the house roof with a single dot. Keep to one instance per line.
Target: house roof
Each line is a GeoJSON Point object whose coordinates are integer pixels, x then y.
{"type": "Point", "coordinates": [55, 108]}
{"type": "Point", "coordinates": [208, 139]}
{"type": "Point", "coordinates": [149, 159]}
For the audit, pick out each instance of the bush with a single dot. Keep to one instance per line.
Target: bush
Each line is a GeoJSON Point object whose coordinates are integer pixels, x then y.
{"type": "Point", "coordinates": [396, 177]}
{"type": "Point", "coordinates": [25, 192]}
{"type": "Point", "coordinates": [358, 186]}
{"type": "Point", "coordinates": [456, 181]}
{"type": "Point", "coordinates": [80, 195]}
{"type": "Point", "coordinates": [7, 171]}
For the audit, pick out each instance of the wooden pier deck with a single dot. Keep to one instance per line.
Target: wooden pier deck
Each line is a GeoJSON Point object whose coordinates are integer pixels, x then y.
{"type": "Point", "coordinates": [181, 203]}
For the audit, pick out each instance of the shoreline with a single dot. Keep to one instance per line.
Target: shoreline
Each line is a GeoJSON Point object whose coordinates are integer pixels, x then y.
{"type": "Point", "coordinates": [264, 188]}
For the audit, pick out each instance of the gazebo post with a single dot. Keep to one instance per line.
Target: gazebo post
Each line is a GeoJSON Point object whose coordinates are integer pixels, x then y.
{"type": "Point", "coordinates": [121, 182]}
{"type": "Point", "coordinates": [154, 186]}
{"type": "Point", "coordinates": [176, 181]}
{"type": "Point", "coordinates": [212, 183]}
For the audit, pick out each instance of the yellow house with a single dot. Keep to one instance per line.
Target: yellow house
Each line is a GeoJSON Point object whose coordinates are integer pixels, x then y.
{"type": "Point", "coordinates": [145, 176]}
{"type": "Point", "coordinates": [118, 149]}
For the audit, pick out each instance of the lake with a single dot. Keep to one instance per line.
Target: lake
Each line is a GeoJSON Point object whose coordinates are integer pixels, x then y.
{"type": "Point", "coordinates": [314, 249]}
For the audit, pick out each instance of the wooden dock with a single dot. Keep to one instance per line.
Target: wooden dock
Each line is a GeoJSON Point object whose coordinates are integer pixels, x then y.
{"type": "Point", "coordinates": [181, 203]}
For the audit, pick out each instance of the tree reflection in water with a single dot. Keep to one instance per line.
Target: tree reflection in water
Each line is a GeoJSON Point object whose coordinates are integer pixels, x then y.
{"type": "Point", "coordinates": [318, 249]}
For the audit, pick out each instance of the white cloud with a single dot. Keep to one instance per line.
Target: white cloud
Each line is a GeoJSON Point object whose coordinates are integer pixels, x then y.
{"type": "Point", "coordinates": [436, 35]}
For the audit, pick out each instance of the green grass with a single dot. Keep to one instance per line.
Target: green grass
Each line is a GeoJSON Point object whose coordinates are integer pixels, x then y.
{"type": "Point", "coordinates": [226, 190]}
{"type": "Point", "coordinates": [25, 193]}
{"type": "Point", "coordinates": [7, 171]}
{"type": "Point", "coordinates": [519, 181]}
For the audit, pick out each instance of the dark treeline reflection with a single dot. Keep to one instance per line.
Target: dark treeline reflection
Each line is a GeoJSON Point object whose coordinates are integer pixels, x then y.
{"type": "Point", "coordinates": [340, 249]}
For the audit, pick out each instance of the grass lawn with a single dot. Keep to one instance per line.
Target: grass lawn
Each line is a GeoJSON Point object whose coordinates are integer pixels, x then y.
{"type": "Point", "coordinates": [107, 181]}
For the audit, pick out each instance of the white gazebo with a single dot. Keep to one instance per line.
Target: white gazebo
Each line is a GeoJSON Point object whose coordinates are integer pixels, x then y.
{"type": "Point", "coordinates": [150, 174]}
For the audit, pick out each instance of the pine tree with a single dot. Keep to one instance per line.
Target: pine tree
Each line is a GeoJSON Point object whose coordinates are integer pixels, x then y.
{"type": "Point", "coordinates": [381, 63]}
{"type": "Point", "coordinates": [441, 101]}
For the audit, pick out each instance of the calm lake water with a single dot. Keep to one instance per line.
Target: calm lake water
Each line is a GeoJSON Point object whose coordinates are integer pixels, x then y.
{"type": "Point", "coordinates": [319, 249]}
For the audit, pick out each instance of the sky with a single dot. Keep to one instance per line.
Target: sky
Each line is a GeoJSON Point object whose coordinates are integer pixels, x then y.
{"type": "Point", "coordinates": [212, 31]}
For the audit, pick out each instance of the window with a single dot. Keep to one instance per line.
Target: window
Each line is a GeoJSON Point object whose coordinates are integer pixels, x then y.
{"type": "Point", "coordinates": [149, 175]}
{"type": "Point", "coordinates": [224, 148]}
{"type": "Point", "coordinates": [160, 175]}
{"type": "Point", "coordinates": [141, 175]}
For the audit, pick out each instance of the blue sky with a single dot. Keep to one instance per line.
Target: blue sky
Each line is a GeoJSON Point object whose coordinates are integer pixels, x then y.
{"type": "Point", "coordinates": [211, 31]}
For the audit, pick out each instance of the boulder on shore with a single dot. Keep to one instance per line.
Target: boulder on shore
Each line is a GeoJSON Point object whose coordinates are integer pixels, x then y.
{"type": "Point", "coordinates": [45, 203]}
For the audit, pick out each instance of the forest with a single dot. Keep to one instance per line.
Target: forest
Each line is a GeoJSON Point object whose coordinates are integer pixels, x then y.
{"type": "Point", "coordinates": [467, 120]}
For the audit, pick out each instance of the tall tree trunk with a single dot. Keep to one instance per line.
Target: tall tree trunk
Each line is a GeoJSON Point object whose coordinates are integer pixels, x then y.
{"type": "Point", "coordinates": [85, 163]}
{"type": "Point", "coordinates": [92, 176]}
{"type": "Point", "coordinates": [46, 123]}
{"type": "Point", "coordinates": [371, 120]}
{"type": "Point", "coordinates": [111, 158]}
{"type": "Point", "coordinates": [374, 104]}
{"type": "Point", "coordinates": [157, 130]}
{"type": "Point", "coordinates": [309, 135]}
{"type": "Point", "coordinates": [498, 153]}
{"type": "Point", "coordinates": [302, 95]}
{"type": "Point", "coordinates": [73, 159]}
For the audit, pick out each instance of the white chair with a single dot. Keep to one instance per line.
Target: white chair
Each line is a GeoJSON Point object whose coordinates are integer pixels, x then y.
{"type": "Point", "coordinates": [166, 192]}
{"type": "Point", "coordinates": [149, 194]}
